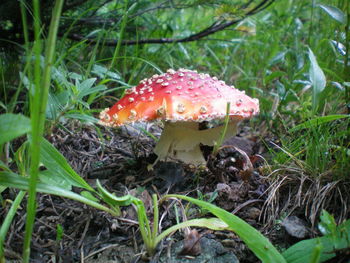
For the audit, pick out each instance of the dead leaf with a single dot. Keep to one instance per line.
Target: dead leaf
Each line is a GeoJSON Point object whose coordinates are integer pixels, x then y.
{"type": "Point", "coordinates": [191, 245]}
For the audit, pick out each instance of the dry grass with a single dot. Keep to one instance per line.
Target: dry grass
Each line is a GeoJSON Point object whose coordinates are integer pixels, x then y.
{"type": "Point", "coordinates": [293, 191]}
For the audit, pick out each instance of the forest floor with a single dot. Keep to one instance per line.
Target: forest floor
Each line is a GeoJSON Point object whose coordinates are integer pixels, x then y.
{"type": "Point", "coordinates": [121, 163]}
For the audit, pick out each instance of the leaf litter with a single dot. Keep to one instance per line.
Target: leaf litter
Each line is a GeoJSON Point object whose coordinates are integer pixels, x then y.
{"type": "Point", "coordinates": [235, 177]}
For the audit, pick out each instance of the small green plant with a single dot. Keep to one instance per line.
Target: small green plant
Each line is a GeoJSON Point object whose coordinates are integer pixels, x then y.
{"type": "Point", "coordinates": [210, 198]}
{"type": "Point", "coordinates": [260, 245]}
{"type": "Point", "coordinates": [335, 237]}
{"type": "Point", "coordinates": [150, 235]}
{"type": "Point", "coordinates": [334, 240]}
{"type": "Point", "coordinates": [318, 146]}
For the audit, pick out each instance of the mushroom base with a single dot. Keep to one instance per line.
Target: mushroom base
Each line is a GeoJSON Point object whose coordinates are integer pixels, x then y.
{"type": "Point", "coordinates": [181, 141]}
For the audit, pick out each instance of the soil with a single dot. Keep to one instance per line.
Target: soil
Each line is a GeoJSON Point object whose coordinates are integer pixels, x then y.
{"type": "Point", "coordinates": [235, 180]}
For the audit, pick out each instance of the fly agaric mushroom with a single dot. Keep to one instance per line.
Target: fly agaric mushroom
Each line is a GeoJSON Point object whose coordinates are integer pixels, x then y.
{"type": "Point", "coordinates": [182, 99]}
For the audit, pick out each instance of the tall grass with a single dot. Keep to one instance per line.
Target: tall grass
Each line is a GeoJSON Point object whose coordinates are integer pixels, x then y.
{"type": "Point", "coordinates": [38, 102]}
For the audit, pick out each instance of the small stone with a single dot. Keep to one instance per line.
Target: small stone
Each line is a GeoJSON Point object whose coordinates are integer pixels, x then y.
{"type": "Point", "coordinates": [253, 213]}
{"type": "Point", "coordinates": [295, 227]}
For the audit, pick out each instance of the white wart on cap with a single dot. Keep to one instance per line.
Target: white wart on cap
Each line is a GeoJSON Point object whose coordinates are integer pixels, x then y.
{"type": "Point", "coordinates": [184, 97]}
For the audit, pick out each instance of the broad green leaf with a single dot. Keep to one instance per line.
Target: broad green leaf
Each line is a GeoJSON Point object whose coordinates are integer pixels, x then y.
{"type": "Point", "coordinates": [56, 104]}
{"type": "Point", "coordinates": [82, 117]}
{"type": "Point", "coordinates": [75, 76]}
{"type": "Point", "coordinates": [318, 81]}
{"type": "Point", "coordinates": [59, 75]}
{"type": "Point", "coordinates": [316, 254]}
{"type": "Point", "coordinates": [2, 188]}
{"type": "Point", "coordinates": [13, 126]}
{"type": "Point", "coordinates": [280, 57]}
{"type": "Point", "coordinates": [259, 244]}
{"type": "Point", "coordinates": [211, 223]}
{"type": "Point", "coordinates": [55, 162]}
{"type": "Point", "coordinates": [112, 199]}
{"type": "Point", "coordinates": [317, 121]}
{"type": "Point", "coordinates": [19, 182]}
{"type": "Point", "coordinates": [327, 226]}
{"type": "Point", "coordinates": [89, 195]}
{"type": "Point", "coordinates": [89, 91]}
{"type": "Point", "coordinates": [303, 251]}
{"type": "Point", "coordinates": [274, 75]}
{"type": "Point", "coordinates": [103, 71]}
{"type": "Point", "coordinates": [334, 13]}
{"type": "Point", "coordinates": [52, 178]}
{"type": "Point", "coordinates": [3, 166]}
{"type": "Point", "coordinates": [86, 84]}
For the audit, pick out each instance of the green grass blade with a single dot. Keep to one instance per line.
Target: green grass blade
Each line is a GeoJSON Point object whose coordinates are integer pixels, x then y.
{"type": "Point", "coordinates": [318, 121]}
{"type": "Point", "coordinates": [55, 162]}
{"type": "Point", "coordinates": [318, 81]}
{"type": "Point", "coordinates": [211, 223]}
{"type": "Point", "coordinates": [8, 220]}
{"type": "Point", "coordinates": [38, 109]}
{"type": "Point", "coordinates": [121, 33]}
{"type": "Point", "coordinates": [13, 126]}
{"type": "Point", "coordinates": [321, 248]}
{"type": "Point", "coordinates": [254, 240]}
{"type": "Point", "coordinates": [316, 254]}
{"type": "Point", "coordinates": [16, 181]}
{"type": "Point", "coordinates": [334, 13]}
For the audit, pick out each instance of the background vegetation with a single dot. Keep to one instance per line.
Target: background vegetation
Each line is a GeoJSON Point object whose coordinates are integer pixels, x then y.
{"type": "Point", "coordinates": [292, 55]}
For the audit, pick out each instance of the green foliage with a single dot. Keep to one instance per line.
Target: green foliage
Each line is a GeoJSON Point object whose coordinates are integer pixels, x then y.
{"type": "Point", "coordinates": [59, 232]}
{"type": "Point", "coordinates": [293, 57]}
{"type": "Point", "coordinates": [313, 250]}
{"type": "Point", "coordinates": [260, 245]}
{"type": "Point", "coordinates": [318, 82]}
{"type": "Point", "coordinates": [13, 126]}
{"type": "Point", "coordinates": [317, 121]}
{"type": "Point", "coordinates": [19, 182]}
{"type": "Point", "coordinates": [58, 170]}
{"type": "Point", "coordinates": [7, 222]}
{"type": "Point", "coordinates": [335, 239]}
{"type": "Point", "coordinates": [334, 12]}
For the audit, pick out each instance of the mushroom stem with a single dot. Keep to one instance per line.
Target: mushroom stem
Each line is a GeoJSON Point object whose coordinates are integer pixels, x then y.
{"type": "Point", "coordinates": [181, 141]}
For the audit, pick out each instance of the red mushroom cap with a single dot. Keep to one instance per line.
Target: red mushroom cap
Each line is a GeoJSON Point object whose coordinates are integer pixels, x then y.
{"type": "Point", "coordinates": [182, 95]}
